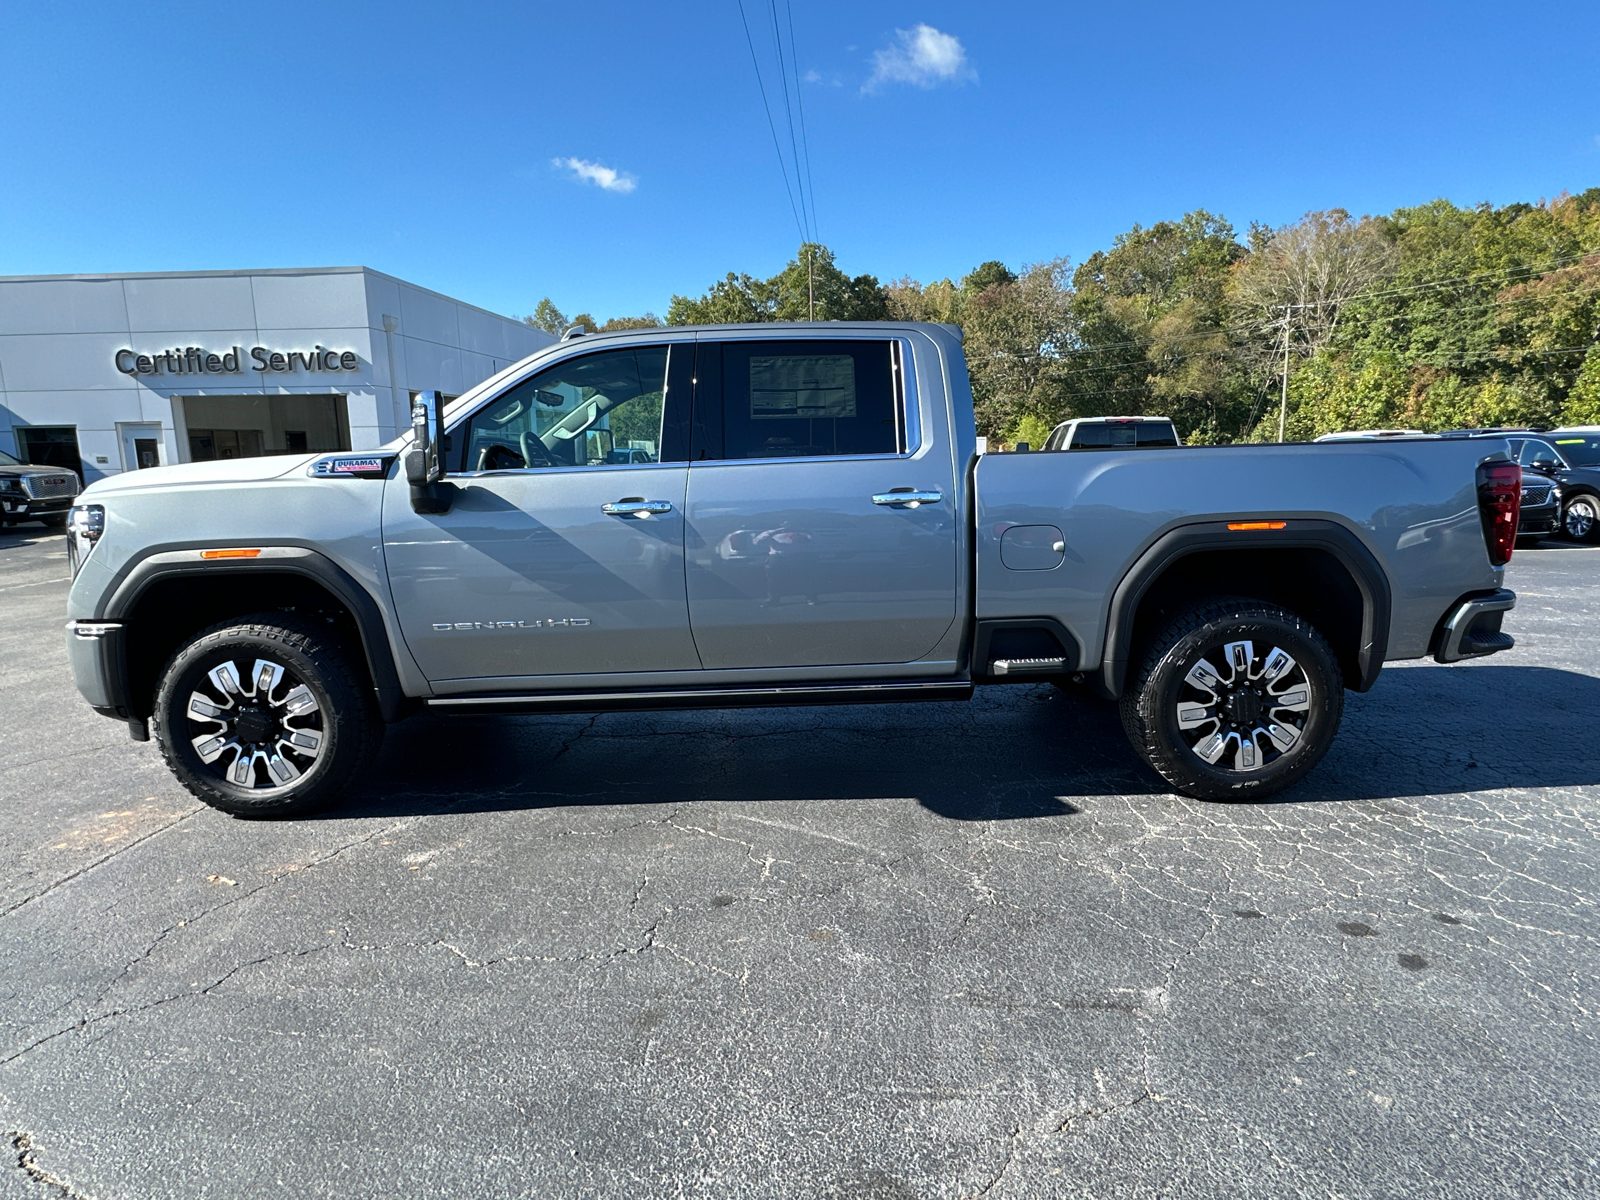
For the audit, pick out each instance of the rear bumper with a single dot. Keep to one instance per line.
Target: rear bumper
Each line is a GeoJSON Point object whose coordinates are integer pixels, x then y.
{"type": "Point", "coordinates": [1471, 629]}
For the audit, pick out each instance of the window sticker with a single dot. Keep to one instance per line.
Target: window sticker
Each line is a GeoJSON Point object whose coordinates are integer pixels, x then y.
{"type": "Point", "coordinates": [783, 387]}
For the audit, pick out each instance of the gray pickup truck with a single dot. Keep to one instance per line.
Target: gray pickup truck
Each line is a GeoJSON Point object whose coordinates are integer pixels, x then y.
{"type": "Point", "coordinates": [768, 515]}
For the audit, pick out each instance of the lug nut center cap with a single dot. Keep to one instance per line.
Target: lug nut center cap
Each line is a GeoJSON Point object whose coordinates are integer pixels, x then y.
{"type": "Point", "coordinates": [1243, 706]}
{"type": "Point", "coordinates": [253, 724]}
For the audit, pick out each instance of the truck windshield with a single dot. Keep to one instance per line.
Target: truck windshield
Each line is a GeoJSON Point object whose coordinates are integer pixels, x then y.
{"type": "Point", "coordinates": [7, 461]}
{"type": "Point", "coordinates": [1580, 451]}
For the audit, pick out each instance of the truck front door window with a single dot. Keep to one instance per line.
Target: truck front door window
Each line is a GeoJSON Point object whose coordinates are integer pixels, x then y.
{"type": "Point", "coordinates": [600, 410]}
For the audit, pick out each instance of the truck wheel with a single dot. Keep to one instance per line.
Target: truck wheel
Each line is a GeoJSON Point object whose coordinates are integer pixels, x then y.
{"type": "Point", "coordinates": [1234, 700]}
{"type": "Point", "coordinates": [265, 716]}
{"type": "Point", "coordinates": [1581, 518]}
{"type": "Point", "coordinates": [54, 520]}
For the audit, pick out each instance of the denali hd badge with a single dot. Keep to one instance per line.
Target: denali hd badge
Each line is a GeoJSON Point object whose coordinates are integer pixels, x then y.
{"type": "Point", "coordinates": [547, 623]}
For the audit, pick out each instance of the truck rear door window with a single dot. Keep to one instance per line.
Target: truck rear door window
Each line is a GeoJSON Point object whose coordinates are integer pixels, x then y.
{"type": "Point", "coordinates": [803, 399]}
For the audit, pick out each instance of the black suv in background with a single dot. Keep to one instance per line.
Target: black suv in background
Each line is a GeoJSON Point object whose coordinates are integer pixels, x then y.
{"type": "Point", "coordinates": [29, 492]}
{"type": "Point", "coordinates": [1570, 459]}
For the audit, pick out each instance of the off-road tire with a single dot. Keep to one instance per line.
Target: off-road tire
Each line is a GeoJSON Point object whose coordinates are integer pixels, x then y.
{"type": "Point", "coordinates": [1158, 685]}
{"type": "Point", "coordinates": [309, 653]}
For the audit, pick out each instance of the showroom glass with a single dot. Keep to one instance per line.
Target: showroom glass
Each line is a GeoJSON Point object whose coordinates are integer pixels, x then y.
{"type": "Point", "coordinates": [794, 399]}
{"type": "Point", "coordinates": [599, 410]}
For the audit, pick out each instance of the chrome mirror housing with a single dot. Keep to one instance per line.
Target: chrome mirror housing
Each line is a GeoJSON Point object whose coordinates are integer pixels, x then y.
{"type": "Point", "coordinates": [425, 470]}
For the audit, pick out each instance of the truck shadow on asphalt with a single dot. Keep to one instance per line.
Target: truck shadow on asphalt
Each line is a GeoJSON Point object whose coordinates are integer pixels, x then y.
{"type": "Point", "coordinates": [1013, 753]}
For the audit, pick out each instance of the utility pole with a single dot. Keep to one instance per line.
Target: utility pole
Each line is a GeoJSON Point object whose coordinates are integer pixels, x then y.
{"type": "Point", "coordinates": [811, 283]}
{"type": "Point", "coordinates": [1283, 402]}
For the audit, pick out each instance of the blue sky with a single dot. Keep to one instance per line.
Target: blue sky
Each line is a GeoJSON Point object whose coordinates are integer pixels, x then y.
{"type": "Point", "coordinates": [468, 147]}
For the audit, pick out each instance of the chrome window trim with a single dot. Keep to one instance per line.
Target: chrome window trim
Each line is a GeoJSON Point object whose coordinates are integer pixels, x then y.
{"type": "Point", "coordinates": [908, 407]}
{"type": "Point", "coordinates": [565, 470]}
{"type": "Point", "coordinates": [804, 458]}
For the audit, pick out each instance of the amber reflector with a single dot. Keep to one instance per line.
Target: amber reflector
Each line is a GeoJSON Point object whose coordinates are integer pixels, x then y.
{"type": "Point", "coordinates": [1238, 525]}
{"type": "Point", "coordinates": [232, 553]}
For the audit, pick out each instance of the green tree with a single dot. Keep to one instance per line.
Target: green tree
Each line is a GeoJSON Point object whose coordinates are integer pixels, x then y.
{"type": "Point", "coordinates": [1154, 333]}
{"type": "Point", "coordinates": [1583, 401]}
{"type": "Point", "coordinates": [548, 317]}
{"type": "Point", "coordinates": [811, 283]}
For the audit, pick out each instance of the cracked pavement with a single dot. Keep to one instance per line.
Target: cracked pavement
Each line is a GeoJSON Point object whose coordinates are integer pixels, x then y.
{"type": "Point", "coordinates": [933, 951]}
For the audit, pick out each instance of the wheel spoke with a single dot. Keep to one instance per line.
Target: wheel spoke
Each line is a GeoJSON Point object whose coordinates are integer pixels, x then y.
{"type": "Point", "coordinates": [1247, 757]}
{"type": "Point", "coordinates": [203, 708]}
{"type": "Point", "coordinates": [243, 771]}
{"type": "Point", "coordinates": [1295, 700]}
{"type": "Point", "coordinates": [305, 742]}
{"type": "Point", "coordinates": [226, 677]}
{"type": "Point", "coordinates": [1194, 716]}
{"type": "Point", "coordinates": [282, 770]}
{"type": "Point", "coordinates": [209, 746]}
{"type": "Point", "coordinates": [1239, 655]}
{"type": "Point", "coordinates": [1284, 737]}
{"type": "Point", "coordinates": [1211, 748]}
{"type": "Point", "coordinates": [1278, 665]}
{"type": "Point", "coordinates": [1204, 677]}
{"type": "Point", "coordinates": [266, 676]}
{"type": "Point", "coordinates": [298, 702]}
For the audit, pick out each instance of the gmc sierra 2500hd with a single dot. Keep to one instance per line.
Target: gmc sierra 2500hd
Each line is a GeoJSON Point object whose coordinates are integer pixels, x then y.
{"type": "Point", "coordinates": [768, 515]}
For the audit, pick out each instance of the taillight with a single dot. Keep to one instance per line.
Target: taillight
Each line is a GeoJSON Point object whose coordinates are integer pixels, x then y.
{"type": "Point", "coordinates": [1499, 508]}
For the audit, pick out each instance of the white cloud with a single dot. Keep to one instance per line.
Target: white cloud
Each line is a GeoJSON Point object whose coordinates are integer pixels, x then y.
{"type": "Point", "coordinates": [585, 171]}
{"type": "Point", "coordinates": [923, 56]}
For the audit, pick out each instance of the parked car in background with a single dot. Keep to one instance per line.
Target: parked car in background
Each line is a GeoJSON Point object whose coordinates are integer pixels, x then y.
{"type": "Point", "coordinates": [1112, 433]}
{"type": "Point", "coordinates": [29, 492]}
{"type": "Point", "coordinates": [1570, 459]}
{"type": "Point", "coordinates": [1358, 435]}
{"type": "Point", "coordinates": [1541, 508]}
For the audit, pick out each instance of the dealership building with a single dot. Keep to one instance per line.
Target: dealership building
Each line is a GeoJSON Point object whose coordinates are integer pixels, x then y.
{"type": "Point", "coordinates": [109, 373]}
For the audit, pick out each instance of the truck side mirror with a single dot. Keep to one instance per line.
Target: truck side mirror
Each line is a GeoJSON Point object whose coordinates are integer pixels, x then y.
{"type": "Point", "coordinates": [425, 460]}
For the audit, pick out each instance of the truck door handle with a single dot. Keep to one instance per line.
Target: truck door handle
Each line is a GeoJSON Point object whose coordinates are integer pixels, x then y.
{"type": "Point", "coordinates": [636, 506]}
{"type": "Point", "coordinates": [910, 497]}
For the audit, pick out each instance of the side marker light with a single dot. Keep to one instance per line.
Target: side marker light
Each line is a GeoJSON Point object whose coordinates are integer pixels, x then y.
{"type": "Point", "coordinates": [230, 553]}
{"type": "Point", "coordinates": [1236, 526]}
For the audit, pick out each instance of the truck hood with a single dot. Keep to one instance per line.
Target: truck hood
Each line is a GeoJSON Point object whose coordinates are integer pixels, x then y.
{"type": "Point", "coordinates": [232, 470]}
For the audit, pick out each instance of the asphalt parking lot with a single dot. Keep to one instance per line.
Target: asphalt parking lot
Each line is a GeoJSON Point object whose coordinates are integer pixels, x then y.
{"type": "Point", "coordinates": [954, 950]}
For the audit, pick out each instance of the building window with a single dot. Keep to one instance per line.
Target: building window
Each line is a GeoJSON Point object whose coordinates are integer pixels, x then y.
{"type": "Point", "coordinates": [50, 446]}
{"type": "Point", "coordinates": [251, 426]}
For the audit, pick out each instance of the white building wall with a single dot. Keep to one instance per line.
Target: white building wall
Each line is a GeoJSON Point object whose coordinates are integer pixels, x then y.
{"type": "Point", "coordinates": [59, 335]}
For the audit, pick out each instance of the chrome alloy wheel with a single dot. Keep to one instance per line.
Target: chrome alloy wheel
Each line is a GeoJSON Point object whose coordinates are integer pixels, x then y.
{"type": "Point", "coordinates": [1580, 518]}
{"type": "Point", "coordinates": [265, 729]}
{"type": "Point", "coordinates": [1249, 717]}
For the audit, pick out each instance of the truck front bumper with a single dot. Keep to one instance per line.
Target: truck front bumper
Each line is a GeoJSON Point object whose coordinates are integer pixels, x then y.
{"type": "Point", "coordinates": [21, 508]}
{"type": "Point", "coordinates": [99, 660]}
{"type": "Point", "coordinates": [1471, 629]}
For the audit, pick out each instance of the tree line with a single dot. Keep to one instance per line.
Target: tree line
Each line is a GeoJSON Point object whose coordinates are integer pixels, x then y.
{"type": "Point", "coordinates": [1432, 317]}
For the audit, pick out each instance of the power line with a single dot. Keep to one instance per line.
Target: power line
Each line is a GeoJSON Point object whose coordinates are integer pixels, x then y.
{"type": "Point", "coordinates": [805, 142]}
{"type": "Point", "coordinates": [788, 109]}
{"type": "Point", "coordinates": [771, 124]}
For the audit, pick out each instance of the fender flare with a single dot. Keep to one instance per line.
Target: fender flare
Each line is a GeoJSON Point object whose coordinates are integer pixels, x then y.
{"type": "Point", "coordinates": [172, 560]}
{"type": "Point", "coordinates": [1312, 534]}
